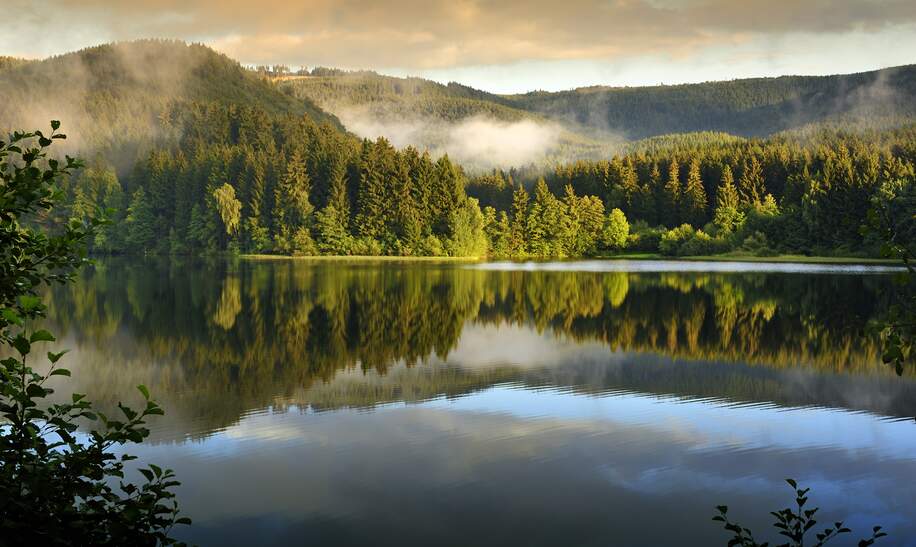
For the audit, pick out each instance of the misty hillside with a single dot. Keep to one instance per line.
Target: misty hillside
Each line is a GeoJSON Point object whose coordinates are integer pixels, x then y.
{"type": "Point", "coordinates": [479, 129]}
{"type": "Point", "coordinates": [392, 97]}
{"type": "Point", "coordinates": [750, 107]}
{"type": "Point", "coordinates": [119, 99]}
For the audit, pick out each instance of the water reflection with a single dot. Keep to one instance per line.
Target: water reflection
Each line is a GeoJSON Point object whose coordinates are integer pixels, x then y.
{"type": "Point", "coordinates": [360, 403]}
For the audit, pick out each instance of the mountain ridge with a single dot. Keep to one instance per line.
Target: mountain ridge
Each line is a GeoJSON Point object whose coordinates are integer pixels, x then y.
{"type": "Point", "coordinates": [749, 107]}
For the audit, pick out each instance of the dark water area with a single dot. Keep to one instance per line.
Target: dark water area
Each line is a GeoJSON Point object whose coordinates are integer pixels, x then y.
{"type": "Point", "coordinates": [423, 403]}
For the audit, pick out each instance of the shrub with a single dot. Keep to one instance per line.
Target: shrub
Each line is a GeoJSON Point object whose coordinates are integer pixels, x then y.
{"type": "Point", "coordinates": [702, 244]}
{"type": "Point", "coordinates": [672, 240]}
{"type": "Point", "coordinates": [757, 244]}
{"type": "Point", "coordinates": [644, 238]}
{"type": "Point", "coordinates": [57, 486]}
{"type": "Point", "coordinates": [367, 246]}
{"type": "Point", "coordinates": [685, 241]}
{"type": "Point", "coordinates": [792, 523]}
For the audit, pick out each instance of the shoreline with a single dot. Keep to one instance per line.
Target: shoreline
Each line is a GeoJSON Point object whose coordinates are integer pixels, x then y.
{"type": "Point", "coordinates": [779, 259]}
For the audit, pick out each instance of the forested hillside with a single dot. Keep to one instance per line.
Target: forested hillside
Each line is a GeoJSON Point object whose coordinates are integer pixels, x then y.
{"type": "Point", "coordinates": [388, 96]}
{"type": "Point", "coordinates": [750, 107]}
{"type": "Point", "coordinates": [479, 129]}
{"type": "Point", "coordinates": [241, 179]}
{"type": "Point", "coordinates": [191, 153]}
{"type": "Point", "coordinates": [708, 193]}
{"type": "Point", "coordinates": [119, 100]}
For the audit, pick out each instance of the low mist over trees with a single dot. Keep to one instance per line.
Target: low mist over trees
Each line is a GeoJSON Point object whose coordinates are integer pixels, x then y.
{"type": "Point", "coordinates": [192, 153]}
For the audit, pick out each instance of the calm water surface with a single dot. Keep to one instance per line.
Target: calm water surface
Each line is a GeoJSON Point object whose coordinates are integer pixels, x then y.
{"type": "Point", "coordinates": [336, 403]}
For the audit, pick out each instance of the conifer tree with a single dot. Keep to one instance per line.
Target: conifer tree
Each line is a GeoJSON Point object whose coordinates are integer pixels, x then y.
{"type": "Point", "coordinates": [372, 202]}
{"type": "Point", "coordinates": [140, 223]}
{"type": "Point", "coordinates": [331, 231]}
{"type": "Point", "coordinates": [670, 214]}
{"type": "Point", "coordinates": [518, 235]}
{"type": "Point", "coordinates": [496, 226]}
{"type": "Point", "coordinates": [751, 188]}
{"type": "Point", "coordinates": [728, 217]}
{"type": "Point", "coordinates": [693, 202]}
{"type": "Point", "coordinates": [293, 211]}
{"type": "Point", "coordinates": [446, 195]}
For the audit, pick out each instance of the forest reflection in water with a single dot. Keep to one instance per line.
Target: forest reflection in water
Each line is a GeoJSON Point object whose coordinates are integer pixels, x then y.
{"type": "Point", "coordinates": [508, 373]}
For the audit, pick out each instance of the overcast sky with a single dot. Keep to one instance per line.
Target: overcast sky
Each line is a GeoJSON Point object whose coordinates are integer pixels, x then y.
{"type": "Point", "coordinates": [502, 46]}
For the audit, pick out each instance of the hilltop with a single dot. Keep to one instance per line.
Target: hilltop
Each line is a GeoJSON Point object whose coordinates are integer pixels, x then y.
{"type": "Point", "coordinates": [119, 99]}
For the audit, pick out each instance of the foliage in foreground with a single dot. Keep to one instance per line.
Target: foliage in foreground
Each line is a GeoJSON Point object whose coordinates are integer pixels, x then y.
{"type": "Point", "coordinates": [59, 486]}
{"type": "Point", "coordinates": [792, 523]}
{"type": "Point", "coordinates": [893, 221]}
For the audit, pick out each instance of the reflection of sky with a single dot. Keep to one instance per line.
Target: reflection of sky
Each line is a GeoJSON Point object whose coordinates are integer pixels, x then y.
{"type": "Point", "coordinates": [548, 460]}
{"type": "Point", "coordinates": [708, 424]}
{"type": "Point", "coordinates": [543, 439]}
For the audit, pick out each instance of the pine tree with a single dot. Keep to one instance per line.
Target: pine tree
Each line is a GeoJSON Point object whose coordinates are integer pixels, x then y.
{"type": "Point", "coordinates": [518, 239]}
{"type": "Point", "coordinates": [693, 202]}
{"type": "Point", "coordinates": [629, 183]}
{"type": "Point", "coordinates": [585, 220]}
{"type": "Point", "coordinates": [751, 188]}
{"type": "Point", "coordinates": [372, 203]}
{"type": "Point", "coordinates": [331, 231]}
{"type": "Point", "coordinates": [446, 195]}
{"type": "Point", "coordinates": [728, 217]}
{"type": "Point", "coordinates": [338, 196]}
{"type": "Point", "coordinates": [293, 210]}
{"type": "Point", "coordinates": [140, 223]}
{"type": "Point", "coordinates": [671, 197]}
{"type": "Point", "coordinates": [548, 226]}
{"type": "Point", "coordinates": [496, 226]}
{"type": "Point", "coordinates": [257, 238]}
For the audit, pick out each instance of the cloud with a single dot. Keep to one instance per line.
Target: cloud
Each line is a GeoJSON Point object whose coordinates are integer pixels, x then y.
{"type": "Point", "coordinates": [430, 34]}
{"type": "Point", "coordinates": [477, 142]}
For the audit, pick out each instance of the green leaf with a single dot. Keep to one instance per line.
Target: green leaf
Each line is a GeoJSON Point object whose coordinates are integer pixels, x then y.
{"type": "Point", "coordinates": [22, 345]}
{"type": "Point", "coordinates": [55, 124]}
{"type": "Point", "coordinates": [55, 357]}
{"type": "Point", "coordinates": [35, 390]}
{"type": "Point", "coordinates": [60, 372]}
{"type": "Point", "coordinates": [29, 302]}
{"type": "Point", "coordinates": [41, 336]}
{"type": "Point", "coordinates": [11, 316]}
{"type": "Point", "coordinates": [144, 391]}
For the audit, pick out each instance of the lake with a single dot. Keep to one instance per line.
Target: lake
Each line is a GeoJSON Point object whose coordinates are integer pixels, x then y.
{"type": "Point", "coordinates": [442, 403]}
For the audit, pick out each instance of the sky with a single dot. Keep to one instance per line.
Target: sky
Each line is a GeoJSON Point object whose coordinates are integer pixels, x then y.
{"type": "Point", "coordinates": [498, 46]}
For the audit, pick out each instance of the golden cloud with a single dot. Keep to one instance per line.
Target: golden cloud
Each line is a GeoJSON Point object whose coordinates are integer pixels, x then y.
{"type": "Point", "coordinates": [446, 33]}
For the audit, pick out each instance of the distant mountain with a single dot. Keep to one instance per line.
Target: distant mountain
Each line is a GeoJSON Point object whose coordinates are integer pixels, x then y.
{"type": "Point", "coordinates": [391, 97]}
{"type": "Point", "coordinates": [750, 107]}
{"type": "Point", "coordinates": [477, 128]}
{"type": "Point", "coordinates": [117, 99]}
